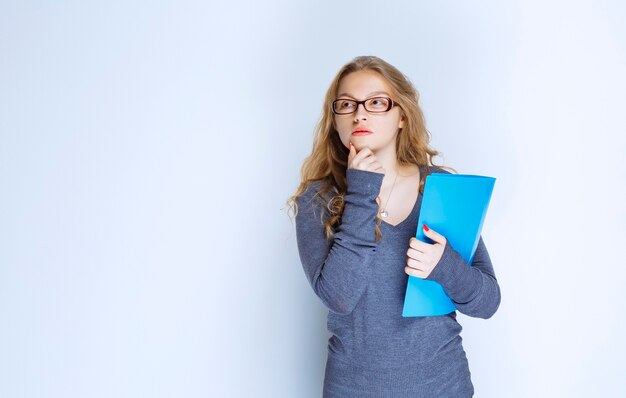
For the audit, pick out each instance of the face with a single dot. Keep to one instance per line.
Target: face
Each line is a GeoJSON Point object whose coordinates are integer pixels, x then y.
{"type": "Point", "coordinates": [384, 126]}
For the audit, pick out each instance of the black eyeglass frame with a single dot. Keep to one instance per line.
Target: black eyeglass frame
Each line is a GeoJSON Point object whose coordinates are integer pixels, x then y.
{"type": "Point", "coordinates": [392, 103]}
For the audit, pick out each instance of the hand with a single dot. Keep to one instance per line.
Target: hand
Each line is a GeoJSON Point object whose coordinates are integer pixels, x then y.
{"type": "Point", "coordinates": [422, 256]}
{"type": "Point", "coordinates": [364, 160]}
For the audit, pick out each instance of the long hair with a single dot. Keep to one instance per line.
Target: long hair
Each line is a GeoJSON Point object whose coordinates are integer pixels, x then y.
{"type": "Point", "coordinates": [329, 157]}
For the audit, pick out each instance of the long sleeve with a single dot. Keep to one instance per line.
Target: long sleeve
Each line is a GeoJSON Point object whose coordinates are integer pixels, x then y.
{"type": "Point", "coordinates": [337, 271]}
{"type": "Point", "coordinates": [474, 290]}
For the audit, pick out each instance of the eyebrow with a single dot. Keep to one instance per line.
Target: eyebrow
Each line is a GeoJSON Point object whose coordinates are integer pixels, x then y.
{"type": "Point", "coordinates": [369, 95]}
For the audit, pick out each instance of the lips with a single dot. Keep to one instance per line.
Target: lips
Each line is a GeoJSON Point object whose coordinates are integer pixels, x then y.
{"type": "Point", "coordinates": [361, 131]}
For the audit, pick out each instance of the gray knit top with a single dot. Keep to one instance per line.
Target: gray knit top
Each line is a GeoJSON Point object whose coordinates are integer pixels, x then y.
{"type": "Point", "coordinates": [373, 351]}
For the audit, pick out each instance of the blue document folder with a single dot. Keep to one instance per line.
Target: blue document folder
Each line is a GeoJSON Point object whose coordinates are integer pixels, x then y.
{"type": "Point", "coordinates": [455, 206]}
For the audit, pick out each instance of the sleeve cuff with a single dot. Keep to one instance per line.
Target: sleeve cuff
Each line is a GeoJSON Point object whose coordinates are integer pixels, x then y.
{"type": "Point", "coordinates": [363, 181]}
{"type": "Point", "coordinates": [450, 270]}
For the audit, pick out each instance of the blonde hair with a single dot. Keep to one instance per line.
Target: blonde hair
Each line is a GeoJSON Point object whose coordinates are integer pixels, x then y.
{"type": "Point", "coordinates": [328, 160]}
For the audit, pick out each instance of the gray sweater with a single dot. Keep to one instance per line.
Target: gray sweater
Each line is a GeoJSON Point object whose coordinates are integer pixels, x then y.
{"type": "Point", "coordinates": [373, 351]}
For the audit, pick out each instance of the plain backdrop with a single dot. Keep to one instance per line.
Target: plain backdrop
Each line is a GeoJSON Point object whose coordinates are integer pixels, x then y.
{"type": "Point", "coordinates": [147, 150]}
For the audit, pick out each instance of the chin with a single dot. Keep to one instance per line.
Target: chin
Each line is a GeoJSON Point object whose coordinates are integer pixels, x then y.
{"type": "Point", "coordinates": [362, 142]}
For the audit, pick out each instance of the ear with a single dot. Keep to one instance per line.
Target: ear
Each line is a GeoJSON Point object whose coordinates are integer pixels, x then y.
{"type": "Point", "coordinates": [402, 121]}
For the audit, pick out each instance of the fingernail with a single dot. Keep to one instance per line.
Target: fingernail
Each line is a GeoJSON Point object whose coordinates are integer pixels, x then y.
{"type": "Point", "coordinates": [426, 227]}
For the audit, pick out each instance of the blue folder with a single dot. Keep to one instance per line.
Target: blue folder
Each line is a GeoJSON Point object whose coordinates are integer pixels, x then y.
{"type": "Point", "coordinates": [455, 206]}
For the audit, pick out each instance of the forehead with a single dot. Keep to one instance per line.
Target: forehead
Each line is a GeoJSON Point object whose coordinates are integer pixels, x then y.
{"type": "Point", "coordinates": [362, 84]}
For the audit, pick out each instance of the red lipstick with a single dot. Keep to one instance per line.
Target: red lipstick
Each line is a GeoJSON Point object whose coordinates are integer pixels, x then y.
{"type": "Point", "coordinates": [361, 131]}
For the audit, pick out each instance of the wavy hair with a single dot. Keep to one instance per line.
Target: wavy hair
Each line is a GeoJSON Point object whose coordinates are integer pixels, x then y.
{"type": "Point", "coordinates": [328, 160]}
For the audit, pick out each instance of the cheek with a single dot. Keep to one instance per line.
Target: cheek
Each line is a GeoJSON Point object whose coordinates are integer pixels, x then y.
{"type": "Point", "coordinates": [343, 126]}
{"type": "Point", "coordinates": [392, 125]}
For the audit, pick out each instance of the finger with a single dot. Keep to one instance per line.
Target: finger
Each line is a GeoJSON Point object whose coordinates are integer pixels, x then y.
{"type": "Point", "coordinates": [375, 166]}
{"type": "Point", "coordinates": [417, 255]}
{"type": "Point", "coordinates": [363, 153]}
{"type": "Point", "coordinates": [364, 164]}
{"type": "Point", "coordinates": [369, 163]}
{"type": "Point", "coordinates": [414, 272]}
{"type": "Point", "coordinates": [351, 154]}
{"type": "Point", "coordinates": [415, 264]}
{"type": "Point", "coordinates": [418, 245]}
{"type": "Point", "coordinates": [433, 235]}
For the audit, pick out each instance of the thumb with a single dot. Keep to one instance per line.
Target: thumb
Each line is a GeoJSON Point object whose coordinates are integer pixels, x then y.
{"type": "Point", "coordinates": [433, 235]}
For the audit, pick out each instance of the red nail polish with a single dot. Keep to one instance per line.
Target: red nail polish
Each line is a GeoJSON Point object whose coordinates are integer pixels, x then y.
{"type": "Point", "coordinates": [426, 227]}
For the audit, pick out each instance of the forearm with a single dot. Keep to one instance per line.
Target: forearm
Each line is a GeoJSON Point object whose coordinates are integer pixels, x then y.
{"type": "Point", "coordinates": [474, 290]}
{"type": "Point", "coordinates": [337, 272]}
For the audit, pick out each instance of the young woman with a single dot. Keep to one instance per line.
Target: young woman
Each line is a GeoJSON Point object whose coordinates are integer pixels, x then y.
{"type": "Point", "coordinates": [356, 215]}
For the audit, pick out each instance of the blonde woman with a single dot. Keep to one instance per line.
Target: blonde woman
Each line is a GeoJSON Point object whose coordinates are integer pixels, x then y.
{"type": "Point", "coordinates": [356, 213]}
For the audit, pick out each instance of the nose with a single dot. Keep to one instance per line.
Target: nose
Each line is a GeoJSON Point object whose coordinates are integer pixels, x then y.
{"type": "Point", "coordinates": [360, 113]}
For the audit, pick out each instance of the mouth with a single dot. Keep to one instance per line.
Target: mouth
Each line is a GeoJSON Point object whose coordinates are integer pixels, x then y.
{"type": "Point", "coordinates": [361, 131]}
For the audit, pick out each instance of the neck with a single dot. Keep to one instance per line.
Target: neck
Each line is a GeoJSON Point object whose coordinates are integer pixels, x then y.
{"type": "Point", "coordinates": [387, 158]}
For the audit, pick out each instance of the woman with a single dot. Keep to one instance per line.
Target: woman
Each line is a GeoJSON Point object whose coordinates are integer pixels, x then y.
{"type": "Point", "coordinates": [356, 213]}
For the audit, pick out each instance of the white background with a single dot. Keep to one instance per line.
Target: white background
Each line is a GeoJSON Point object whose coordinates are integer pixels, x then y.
{"type": "Point", "coordinates": [147, 150]}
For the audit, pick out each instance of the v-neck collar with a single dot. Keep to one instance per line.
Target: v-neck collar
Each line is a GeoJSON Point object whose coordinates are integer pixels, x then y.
{"type": "Point", "coordinates": [414, 210]}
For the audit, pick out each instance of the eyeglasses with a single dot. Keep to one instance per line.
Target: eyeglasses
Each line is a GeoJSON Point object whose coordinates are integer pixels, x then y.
{"type": "Point", "coordinates": [374, 105]}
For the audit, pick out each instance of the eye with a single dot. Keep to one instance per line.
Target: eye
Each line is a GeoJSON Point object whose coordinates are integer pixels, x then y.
{"type": "Point", "coordinates": [346, 104]}
{"type": "Point", "coordinates": [378, 103]}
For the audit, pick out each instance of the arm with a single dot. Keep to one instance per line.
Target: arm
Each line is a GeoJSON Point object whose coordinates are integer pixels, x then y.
{"type": "Point", "coordinates": [337, 270]}
{"type": "Point", "coordinates": [474, 290]}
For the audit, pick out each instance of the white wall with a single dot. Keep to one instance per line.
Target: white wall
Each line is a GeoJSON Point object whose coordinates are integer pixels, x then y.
{"type": "Point", "coordinates": [147, 150]}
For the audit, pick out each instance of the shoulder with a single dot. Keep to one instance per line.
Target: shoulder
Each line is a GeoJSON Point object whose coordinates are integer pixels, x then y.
{"type": "Point", "coordinates": [312, 188]}
{"type": "Point", "coordinates": [311, 196]}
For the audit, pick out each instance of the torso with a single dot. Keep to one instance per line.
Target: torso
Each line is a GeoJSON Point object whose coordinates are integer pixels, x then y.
{"type": "Point", "coordinates": [403, 197]}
